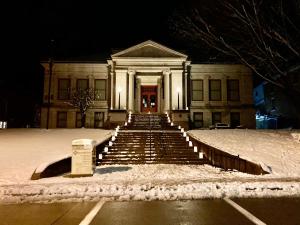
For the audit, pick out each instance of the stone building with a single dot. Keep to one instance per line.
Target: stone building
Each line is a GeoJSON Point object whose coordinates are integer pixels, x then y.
{"type": "Point", "coordinates": [150, 77]}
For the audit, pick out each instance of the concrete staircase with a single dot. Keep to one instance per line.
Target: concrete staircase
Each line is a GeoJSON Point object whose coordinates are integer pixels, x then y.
{"type": "Point", "coordinates": [150, 138]}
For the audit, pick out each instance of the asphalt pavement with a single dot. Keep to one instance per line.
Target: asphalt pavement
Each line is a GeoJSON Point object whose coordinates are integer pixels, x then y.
{"type": "Point", "coordinates": [281, 211]}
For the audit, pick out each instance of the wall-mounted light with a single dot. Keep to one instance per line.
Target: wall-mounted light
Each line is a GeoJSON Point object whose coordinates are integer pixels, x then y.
{"type": "Point", "coordinates": [119, 92]}
{"type": "Point", "coordinates": [178, 91]}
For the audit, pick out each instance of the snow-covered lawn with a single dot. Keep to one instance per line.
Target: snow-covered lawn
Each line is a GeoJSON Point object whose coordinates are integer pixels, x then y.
{"type": "Point", "coordinates": [23, 150]}
{"type": "Point", "coordinates": [278, 152]}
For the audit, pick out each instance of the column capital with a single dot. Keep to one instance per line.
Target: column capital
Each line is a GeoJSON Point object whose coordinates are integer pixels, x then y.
{"type": "Point", "coordinates": [131, 72]}
{"type": "Point", "coordinates": [166, 72]}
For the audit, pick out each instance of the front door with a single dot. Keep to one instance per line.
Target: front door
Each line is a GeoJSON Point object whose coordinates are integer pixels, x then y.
{"type": "Point", "coordinates": [148, 98]}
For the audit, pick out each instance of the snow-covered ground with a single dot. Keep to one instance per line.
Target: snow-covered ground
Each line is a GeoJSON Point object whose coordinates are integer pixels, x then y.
{"type": "Point", "coordinates": [278, 151]}
{"type": "Point", "coordinates": [22, 150]}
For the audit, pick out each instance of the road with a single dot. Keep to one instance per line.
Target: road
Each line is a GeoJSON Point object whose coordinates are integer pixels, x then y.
{"type": "Point", "coordinates": [277, 211]}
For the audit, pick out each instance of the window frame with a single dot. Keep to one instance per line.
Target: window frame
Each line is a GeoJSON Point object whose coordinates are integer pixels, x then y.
{"type": "Point", "coordinates": [231, 116]}
{"type": "Point", "coordinates": [233, 90]}
{"type": "Point", "coordinates": [96, 120]}
{"type": "Point", "coordinates": [58, 120]}
{"type": "Point", "coordinates": [217, 90]}
{"type": "Point", "coordinates": [60, 90]}
{"type": "Point", "coordinates": [197, 90]}
{"type": "Point", "coordinates": [105, 89]}
{"type": "Point", "coordinates": [213, 121]}
{"type": "Point", "coordinates": [77, 82]}
{"type": "Point", "coordinates": [198, 121]}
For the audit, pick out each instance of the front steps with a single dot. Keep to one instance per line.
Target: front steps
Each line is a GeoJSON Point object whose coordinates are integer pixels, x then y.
{"type": "Point", "coordinates": [158, 142]}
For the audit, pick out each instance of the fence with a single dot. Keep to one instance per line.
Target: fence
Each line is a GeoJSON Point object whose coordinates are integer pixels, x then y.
{"type": "Point", "coordinates": [224, 160]}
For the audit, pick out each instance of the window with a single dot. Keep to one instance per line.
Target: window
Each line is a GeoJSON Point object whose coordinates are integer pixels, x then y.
{"type": "Point", "coordinates": [216, 118]}
{"type": "Point", "coordinates": [98, 119]}
{"type": "Point", "coordinates": [82, 84]}
{"type": "Point", "coordinates": [78, 120]}
{"type": "Point", "coordinates": [198, 119]}
{"type": "Point", "coordinates": [234, 119]}
{"type": "Point", "coordinates": [197, 90]}
{"type": "Point", "coordinates": [233, 90]}
{"type": "Point", "coordinates": [63, 89]}
{"type": "Point", "coordinates": [215, 90]}
{"type": "Point", "coordinates": [61, 120]}
{"type": "Point", "coordinates": [100, 90]}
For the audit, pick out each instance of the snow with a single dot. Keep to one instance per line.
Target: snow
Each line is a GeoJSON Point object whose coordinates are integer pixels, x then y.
{"type": "Point", "coordinates": [23, 150]}
{"type": "Point", "coordinates": [278, 151]}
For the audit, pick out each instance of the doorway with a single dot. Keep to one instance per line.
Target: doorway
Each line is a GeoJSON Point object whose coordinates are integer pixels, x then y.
{"type": "Point", "coordinates": [148, 98]}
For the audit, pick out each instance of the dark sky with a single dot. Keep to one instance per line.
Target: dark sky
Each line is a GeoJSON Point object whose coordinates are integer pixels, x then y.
{"type": "Point", "coordinates": [79, 28]}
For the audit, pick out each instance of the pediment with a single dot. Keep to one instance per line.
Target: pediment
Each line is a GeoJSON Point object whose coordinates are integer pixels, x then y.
{"type": "Point", "coordinates": [149, 49]}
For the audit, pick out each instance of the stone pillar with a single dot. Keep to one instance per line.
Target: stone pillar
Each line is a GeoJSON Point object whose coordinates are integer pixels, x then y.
{"type": "Point", "coordinates": [166, 90]}
{"type": "Point", "coordinates": [131, 91]}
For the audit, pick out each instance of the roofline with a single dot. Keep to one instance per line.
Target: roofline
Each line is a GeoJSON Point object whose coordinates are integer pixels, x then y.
{"type": "Point", "coordinates": [181, 55]}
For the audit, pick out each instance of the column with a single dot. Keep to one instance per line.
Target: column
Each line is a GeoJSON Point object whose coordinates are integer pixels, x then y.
{"type": "Point", "coordinates": [185, 104]}
{"type": "Point", "coordinates": [166, 90]}
{"type": "Point", "coordinates": [131, 91]}
{"type": "Point", "coordinates": [112, 90]}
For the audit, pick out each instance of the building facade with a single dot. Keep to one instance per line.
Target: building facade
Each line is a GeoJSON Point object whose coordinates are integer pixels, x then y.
{"type": "Point", "coordinates": [149, 77]}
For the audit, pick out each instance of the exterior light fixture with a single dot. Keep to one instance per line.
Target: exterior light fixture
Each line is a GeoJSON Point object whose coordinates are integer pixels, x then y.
{"type": "Point", "coordinates": [178, 91]}
{"type": "Point", "coordinates": [195, 149]}
{"type": "Point", "coordinates": [200, 155]}
{"type": "Point", "coordinates": [119, 92]}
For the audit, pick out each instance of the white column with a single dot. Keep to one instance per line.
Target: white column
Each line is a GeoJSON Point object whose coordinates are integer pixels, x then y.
{"type": "Point", "coordinates": [111, 90]}
{"type": "Point", "coordinates": [185, 89]}
{"type": "Point", "coordinates": [166, 90]}
{"type": "Point", "coordinates": [131, 91]}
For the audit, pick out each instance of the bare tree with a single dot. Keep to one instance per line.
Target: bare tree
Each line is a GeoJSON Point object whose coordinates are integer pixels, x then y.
{"type": "Point", "coordinates": [262, 34]}
{"type": "Point", "coordinates": [83, 100]}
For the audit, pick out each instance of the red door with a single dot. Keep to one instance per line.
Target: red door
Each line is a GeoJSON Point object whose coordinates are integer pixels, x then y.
{"type": "Point", "coordinates": [148, 98]}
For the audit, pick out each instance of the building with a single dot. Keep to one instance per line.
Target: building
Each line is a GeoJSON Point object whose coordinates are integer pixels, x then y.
{"type": "Point", "coordinates": [150, 77]}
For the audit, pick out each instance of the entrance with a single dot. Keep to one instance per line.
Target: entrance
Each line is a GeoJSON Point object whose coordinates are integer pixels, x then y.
{"type": "Point", "coordinates": [148, 98]}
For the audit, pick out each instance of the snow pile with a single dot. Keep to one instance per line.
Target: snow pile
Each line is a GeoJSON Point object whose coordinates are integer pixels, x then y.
{"type": "Point", "coordinates": [274, 150]}
{"type": "Point", "coordinates": [150, 182]}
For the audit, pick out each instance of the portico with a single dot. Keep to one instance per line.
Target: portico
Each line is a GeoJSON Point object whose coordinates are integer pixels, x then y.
{"type": "Point", "coordinates": [148, 77]}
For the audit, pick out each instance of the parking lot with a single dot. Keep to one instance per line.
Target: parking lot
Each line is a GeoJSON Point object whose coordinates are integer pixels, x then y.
{"type": "Point", "coordinates": [218, 211]}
